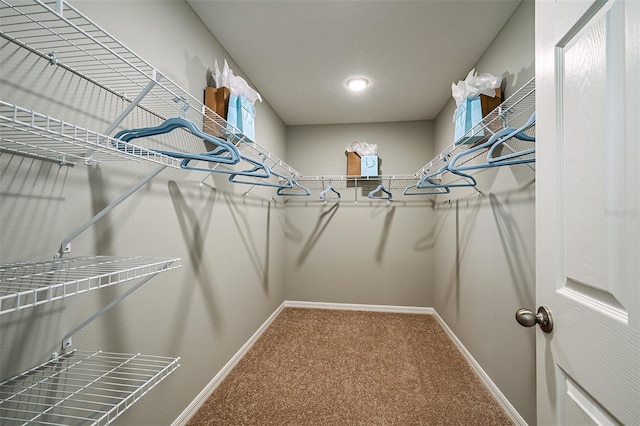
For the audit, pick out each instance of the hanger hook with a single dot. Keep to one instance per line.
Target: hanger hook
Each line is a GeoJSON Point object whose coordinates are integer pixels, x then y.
{"type": "Point", "coordinates": [185, 107]}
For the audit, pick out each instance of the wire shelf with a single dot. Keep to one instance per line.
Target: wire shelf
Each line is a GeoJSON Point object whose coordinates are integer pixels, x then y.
{"type": "Point", "coordinates": [513, 112]}
{"type": "Point", "coordinates": [81, 388]}
{"type": "Point", "coordinates": [356, 188]}
{"type": "Point", "coordinates": [29, 284]}
{"type": "Point", "coordinates": [38, 135]}
{"type": "Point", "coordinates": [63, 36]}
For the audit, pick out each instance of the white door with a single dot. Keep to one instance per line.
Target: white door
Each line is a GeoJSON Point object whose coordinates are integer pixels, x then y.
{"type": "Point", "coordinates": [588, 211]}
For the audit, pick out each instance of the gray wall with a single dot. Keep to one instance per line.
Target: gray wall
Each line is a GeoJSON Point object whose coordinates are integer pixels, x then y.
{"type": "Point", "coordinates": [484, 265]}
{"type": "Point", "coordinates": [370, 252]}
{"type": "Point", "coordinates": [232, 247]}
{"type": "Point", "coordinates": [471, 259]}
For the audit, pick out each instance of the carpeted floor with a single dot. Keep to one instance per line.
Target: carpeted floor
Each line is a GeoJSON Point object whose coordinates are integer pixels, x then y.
{"type": "Point", "coordinates": [333, 367]}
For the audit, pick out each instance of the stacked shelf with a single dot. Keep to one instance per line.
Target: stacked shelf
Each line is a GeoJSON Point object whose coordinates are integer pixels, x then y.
{"type": "Point", "coordinates": [81, 387]}
{"type": "Point", "coordinates": [29, 133]}
{"type": "Point", "coordinates": [63, 36]}
{"type": "Point", "coordinates": [87, 387]}
{"type": "Point", "coordinates": [29, 284]}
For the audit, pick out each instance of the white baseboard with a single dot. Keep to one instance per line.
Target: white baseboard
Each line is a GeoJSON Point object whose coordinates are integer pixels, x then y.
{"type": "Point", "coordinates": [200, 399]}
{"type": "Point", "coordinates": [358, 307]}
{"type": "Point", "coordinates": [499, 396]}
{"type": "Point", "coordinates": [184, 417]}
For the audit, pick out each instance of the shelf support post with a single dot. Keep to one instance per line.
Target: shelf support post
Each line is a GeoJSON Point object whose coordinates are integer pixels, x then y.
{"type": "Point", "coordinates": [152, 83]}
{"type": "Point", "coordinates": [67, 339]}
{"type": "Point", "coordinates": [65, 246]}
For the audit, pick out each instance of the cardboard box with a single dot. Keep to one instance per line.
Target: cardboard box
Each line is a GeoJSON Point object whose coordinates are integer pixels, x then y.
{"type": "Point", "coordinates": [353, 164]}
{"type": "Point", "coordinates": [217, 99]}
{"type": "Point", "coordinates": [488, 105]}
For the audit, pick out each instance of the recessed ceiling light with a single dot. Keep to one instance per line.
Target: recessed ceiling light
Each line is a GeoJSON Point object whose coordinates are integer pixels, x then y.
{"type": "Point", "coordinates": [357, 83]}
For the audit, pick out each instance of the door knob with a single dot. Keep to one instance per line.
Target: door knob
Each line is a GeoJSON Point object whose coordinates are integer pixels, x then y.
{"type": "Point", "coordinates": [527, 318]}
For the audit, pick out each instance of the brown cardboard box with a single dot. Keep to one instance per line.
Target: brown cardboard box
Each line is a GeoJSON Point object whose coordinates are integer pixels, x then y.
{"type": "Point", "coordinates": [353, 164]}
{"type": "Point", "coordinates": [488, 105]}
{"type": "Point", "coordinates": [217, 99]}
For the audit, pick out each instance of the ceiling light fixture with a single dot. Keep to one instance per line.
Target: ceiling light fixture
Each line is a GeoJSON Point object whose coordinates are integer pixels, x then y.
{"type": "Point", "coordinates": [357, 83]}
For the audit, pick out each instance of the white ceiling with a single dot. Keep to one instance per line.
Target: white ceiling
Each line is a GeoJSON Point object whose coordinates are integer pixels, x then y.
{"type": "Point", "coordinates": [299, 54]}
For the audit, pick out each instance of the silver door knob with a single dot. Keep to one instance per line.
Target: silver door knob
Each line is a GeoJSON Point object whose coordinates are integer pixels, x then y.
{"type": "Point", "coordinates": [527, 318]}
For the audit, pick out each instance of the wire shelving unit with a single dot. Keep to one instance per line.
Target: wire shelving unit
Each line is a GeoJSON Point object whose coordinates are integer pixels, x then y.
{"type": "Point", "coordinates": [37, 135]}
{"type": "Point", "coordinates": [354, 188]}
{"type": "Point", "coordinates": [513, 112]}
{"type": "Point", "coordinates": [29, 284]}
{"type": "Point", "coordinates": [81, 387]}
{"type": "Point", "coordinates": [63, 36]}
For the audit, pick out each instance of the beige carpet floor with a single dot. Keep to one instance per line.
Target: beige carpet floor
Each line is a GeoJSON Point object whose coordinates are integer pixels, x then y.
{"type": "Point", "coordinates": [333, 367]}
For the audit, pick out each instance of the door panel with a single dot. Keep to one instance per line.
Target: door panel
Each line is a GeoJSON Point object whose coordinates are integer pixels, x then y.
{"type": "Point", "coordinates": [582, 409]}
{"type": "Point", "coordinates": [588, 211]}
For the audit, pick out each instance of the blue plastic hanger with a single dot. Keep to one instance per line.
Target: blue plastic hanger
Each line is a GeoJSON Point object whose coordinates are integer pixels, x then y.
{"type": "Point", "coordinates": [330, 193]}
{"type": "Point", "coordinates": [427, 182]}
{"type": "Point", "coordinates": [259, 170]}
{"type": "Point", "coordinates": [306, 192]}
{"type": "Point", "coordinates": [505, 133]}
{"type": "Point", "coordinates": [432, 190]}
{"type": "Point", "coordinates": [520, 134]}
{"type": "Point", "coordinates": [384, 193]}
{"type": "Point", "coordinates": [289, 182]}
{"type": "Point", "coordinates": [228, 155]}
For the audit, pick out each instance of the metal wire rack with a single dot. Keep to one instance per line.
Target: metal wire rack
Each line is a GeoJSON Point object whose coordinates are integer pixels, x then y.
{"type": "Point", "coordinates": [38, 135]}
{"type": "Point", "coordinates": [355, 188]}
{"type": "Point", "coordinates": [513, 112]}
{"type": "Point", "coordinates": [63, 36]}
{"type": "Point", "coordinates": [81, 388]}
{"type": "Point", "coordinates": [29, 284]}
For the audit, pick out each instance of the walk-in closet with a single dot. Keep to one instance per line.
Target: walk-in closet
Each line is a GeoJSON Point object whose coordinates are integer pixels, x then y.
{"type": "Point", "coordinates": [151, 249]}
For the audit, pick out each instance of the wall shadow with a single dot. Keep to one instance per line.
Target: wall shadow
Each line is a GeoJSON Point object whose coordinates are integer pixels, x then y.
{"type": "Point", "coordinates": [388, 219]}
{"type": "Point", "coordinates": [515, 252]}
{"type": "Point", "coordinates": [243, 226]}
{"type": "Point", "coordinates": [194, 229]}
{"type": "Point", "coordinates": [428, 241]}
{"type": "Point", "coordinates": [291, 232]}
{"type": "Point", "coordinates": [321, 224]}
{"type": "Point", "coordinates": [102, 229]}
{"type": "Point", "coordinates": [462, 238]}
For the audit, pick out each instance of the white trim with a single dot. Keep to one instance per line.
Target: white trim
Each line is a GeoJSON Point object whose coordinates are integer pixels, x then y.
{"type": "Point", "coordinates": [192, 408]}
{"type": "Point", "coordinates": [497, 394]}
{"type": "Point", "coordinates": [358, 307]}
{"type": "Point", "coordinates": [184, 417]}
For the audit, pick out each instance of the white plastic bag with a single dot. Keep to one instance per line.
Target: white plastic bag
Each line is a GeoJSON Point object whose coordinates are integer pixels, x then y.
{"type": "Point", "coordinates": [363, 148]}
{"type": "Point", "coordinates": [475, 85]}
{"type": "Point", "coordinates": [236, 84]}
